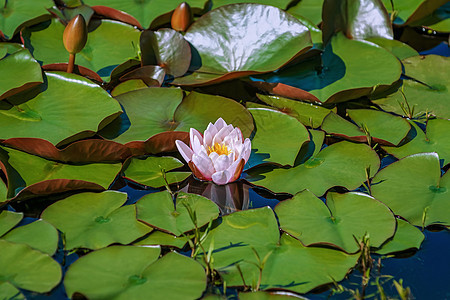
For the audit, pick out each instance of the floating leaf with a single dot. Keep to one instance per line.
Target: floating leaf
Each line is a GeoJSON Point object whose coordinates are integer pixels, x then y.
{"type": "Point", "coordinates": [406, 237]}
{"type": "Point", "coordinates": [280, 3]}
{"type": "Point", "coordinates": [57, 115]}
{"type": "Point", "coordinates": [18, 13]}
{"type": "Point", "coordinates": [155, 171]}
{"type": "Point", "coordinates": [242, 39]}
{"type": "Point", "coordinates": [133, 272]}
{"type": "Point", "coordinates": [409, 11]}
{"type": "Point", "coordinates": [358, 19]}
{"type": "Point", "coordinates": [344, 218]}
{"type": "Point", "coordinates": [120, 41]}
{"type": "Point", "coordinates": [128, 86]}
{"type": "Point", "coordinates": [27, 269]}
{"type": "Point", "coordinates": [434, 140]}
{"type": "Point", "coordinates": [28, 171]}
{"type": "Point", "coordinates": [95, 220]}
{"type": "Point", "coordinates": [19, 71]}
{"type": "Point", "coordinates": [39, 235]}
{"type": "Point", "coordinates": [8, 220]}
{"type": "Point", "coordinates": [307, 113]}
{"type": "Point", "coordinates": [272, 125]}
{"type": "Point", "coordinates": [341, 164]}
{"type": "Point", "coordinates": [412, 188]}
{"type": "Point", "coordinates": [9, 291]}
{"type": "Point", "coordinates": [164, 239]}
{"type": "Point", "coordinates": [158, 210]}
{"type": "Point", "coordinates": [260, 295]}
{"type": "Point", "coordinates": [310, 9]}
{"type": "Point", "coordinates": [342, 72]}
{"type": "Point", "coordinates": [399, 49]}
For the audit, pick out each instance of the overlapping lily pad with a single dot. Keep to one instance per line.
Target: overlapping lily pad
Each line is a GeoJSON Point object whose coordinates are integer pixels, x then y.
{"type": "Point", "coordinates": [413, 188]}
{"type": "Point", "coordinates": [307, 113]}
{"type": "Point", "coordinates": [345, 219]}
{"type": "Point", "coordinates": [272, 125]}
{"type": "Point", "coordinates": [154, 171]}
{"type": "Point", "coordinates": [310, 9]}
{"type": "Point", "coordinates": [19, 71]}
{"type": "Point", "coordinates": [160, 211]}
{"type": "Point", "coordinates": [31, 175]}
{"type": "Point", "coordinates": [107, 46]}
{"type": "Point", "coordinates": [342, 72]}
{"type": "Point", "coordinates": [399, 49]}
{"type": "Point", "coordinates": [129, 272]}
{"type": "Point", "coordinates": [434, 139]}
{"type": "Point", "coordinates": [25, 268]}
{"type": "Point", "coordinates": [411, 11]}
{"type": "Point", "coordinates": [18, 13]}
{"type": "Point", "coordinates": [226, 49]}
{"type": "Point", "coordinates": [39, 234]}
{"type": "Point", "coordinates": [157, 237]}
{"type": "Point", "coordinates": [406, 237]}
{"type": "Point", "coordinates": [154, 110]}
{"type": "Point", "coordinates": [95, 220]}
{"type": "Point", "coordinates": [57, 115]}
{"type": "Point", "coordinates": [341, 164]}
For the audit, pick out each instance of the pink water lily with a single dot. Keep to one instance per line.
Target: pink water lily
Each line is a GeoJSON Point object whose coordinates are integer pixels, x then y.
{"type": "Point", "coordinates": [219, 155]}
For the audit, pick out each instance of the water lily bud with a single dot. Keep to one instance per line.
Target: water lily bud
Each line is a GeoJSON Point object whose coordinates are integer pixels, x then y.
{"type": "Point", "coordinates": [75, 35]}
{"type": "Point", "coordinates": [181, 17]}
{"type": "Point", "coordinates": [219, 155]}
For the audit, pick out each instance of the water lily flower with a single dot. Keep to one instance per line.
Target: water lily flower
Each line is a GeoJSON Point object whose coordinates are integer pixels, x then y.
{"type": "Point", "coordinates": [219, 155]}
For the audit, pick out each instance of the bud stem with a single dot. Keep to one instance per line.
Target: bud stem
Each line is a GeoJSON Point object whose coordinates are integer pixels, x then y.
{"type": "Point", "coordinates": [71, 64]}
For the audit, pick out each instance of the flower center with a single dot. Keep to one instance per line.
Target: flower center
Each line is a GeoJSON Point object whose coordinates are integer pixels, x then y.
{"type": "Point", "coordinates": [219, 149]}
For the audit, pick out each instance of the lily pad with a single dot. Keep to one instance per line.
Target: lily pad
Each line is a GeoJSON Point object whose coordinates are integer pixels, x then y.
{"type": "Point", "coordinates": [399, 49]}
{"type": "Point", "coordinates": [342, 72]}
{"type": "Point", "coordinates": [310, 9]}
{"type": "Point", "coordinates": [272, 125]}
{"type": "Point", "coordinates": [242, 39]}
{"type": "Point", "coordinates": [57, 115]}
{"type": "Point", "coordinates": [154, 171]}
{"type": "Point", "coordinates": [164, 239]}
{"type": "Point", "coordinates": [39, 235]}
{"type": "Point", "coordinates": [434, 140]}
{"type": "Point", "coordinates": [19, 71]}
{"type": "Point", "coordinates": [133, 272]}
{"type": "Point", "coordinates": [27, 269]}
{"type": "Point", "coordinates": [128, 86]}
{"type": "Point", "coordinates": [9, 291]}
{"type": "Point", "coordinates": [24, 170]}
{"type": "Point", "coordinates": [344, 218]}
{"type": "Point", "coordinates": [18, 13]}
{"type": "Point", "coordinates": [341, 164]}
{"type": "Point", "coordinates": [307, 113]}
{"type": "Point", "coordinates": [159, 210]}
{"type": "Point", "coordinates": [95, 220]}
{"type": "Point", "coordinates": [8, 220]}
{"type": "Point", "coordinates": [406, 237]}
{"type": "Point", "coordinates": [120, 41]}
{"type": "Point", "coordinates": [412, 188]}
{"type": "Point", "coordinates": [410, 11]}
{"type": "Point", "coordinates": [260, 295]}
{"type": "Point", "coordinates": [280, 3]}
{"type": "Point", "coordinates": [358, 19]}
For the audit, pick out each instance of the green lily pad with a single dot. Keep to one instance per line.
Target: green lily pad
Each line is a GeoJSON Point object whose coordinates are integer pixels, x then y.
{"type": "Point", "coordinates": [310, 9]}
{"type": "Point", "coordinates": [9, 291]}
{"type": "Point", "coordinates": [344, 218]}
{"type": "Point", "coordinates": [128, 86]}
{"type": "Point", "coordinates": [19, 71]}
{"type": "Point", "coordinates": [342, 72]}
{"type": "Point", "coordinates": [358, 19]}
{"type": "Point", "coordinates": [164, 239]}
{"type": "Point", "coordinates": [25, 171]}
{"type": "Point", "coordinates": [280, 3]}
{"type": "Point", "coordinates": [144, 11]}
{"type": "Point", "coordinates": [410, 11]}
{"type": "Point", "coordinates": [3, 191]}
{"type": "Point", "coordinates": [158, 210]}
{"type": "Point", "coordinates": [307, 113]}
{"type": "Point", "coordinates": [120, 41]}
{"type": "Point", "coordinates": [430, 95]}
{"type": "Point", "coordinates": [18, 13]}
{"type": "Point", "coordinates": [338, 126]}
{"type": "Point", "coordinates": [155, 110]}
{"type": "Point", "coordinates": [39, 235]}
{"type": "Point", "coordinates": [434, 140]}
{"type": "Point", "coordinates": [415, 178]}
{"type": "Point", "coordinates": [341, 164]}
{"type": "Point", "coordinates": [241, 39]}
{"type": "Point", "coordinates": [397, 48]}
{"type": "Point", "coordinates": [166, 48]}
{"type": "Point", "coordinates": [406, 237]}
{"type": "Point", "coordinates": [95, 220]}
{"type": "Point", "coordinates": [260, 295]}
{"type": "Point", "coordinates": [133, 272]}
{"type": "Point", "coordinates": [27, 269]}
{"type": "Point", "coordinates": [272, 125]}
{"type": "Point", "coordinates": [8, 220]}
{"type": "Point", "coordinates": [154, 171]}
{"type": "Point", "coordinates": [67, 108]}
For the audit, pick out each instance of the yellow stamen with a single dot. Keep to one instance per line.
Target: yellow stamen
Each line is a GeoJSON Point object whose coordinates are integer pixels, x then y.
{"type": "Point", "coordinates": [219, 149]}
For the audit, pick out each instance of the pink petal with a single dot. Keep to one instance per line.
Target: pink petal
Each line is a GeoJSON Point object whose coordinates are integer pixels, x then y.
{"type": "Point", "coordinates": [184, 150]}
{"type": "Point", "coordinates": [203, 164]}
{"type": "Point", "coordinates": [247, 150]}
{"type": "Point", "coordinates": [210, 132]}
{"type": "Point", "coordinates": [220, 123]}
{"type": "Point", "coordinates": [196, 145]}
{"type": "Point", "coordinates": [223, 162]}
{"type": "Point", "coordinates": [221, 177]}
{"type": "Point", "coordinates": [194, 133]}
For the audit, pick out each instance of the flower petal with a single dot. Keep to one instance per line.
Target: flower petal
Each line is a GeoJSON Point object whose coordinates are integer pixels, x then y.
{"type": "Point", "coordinates": [203, 164]}
{"type": "Point", "coordinates": [221, 177]}
{"type": "Point", "coordinates": [210, 132]}
{"type": "Point", "coordinates": [194, 133]}
{"type": "Point", "coordinates": [220, 123]}
{"type": "Point", "coordinates": [184, 150]}
{"type": "Point", "coordinates": [196, 145]}
{"type": "Point", "coordinates": [223, 162]}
